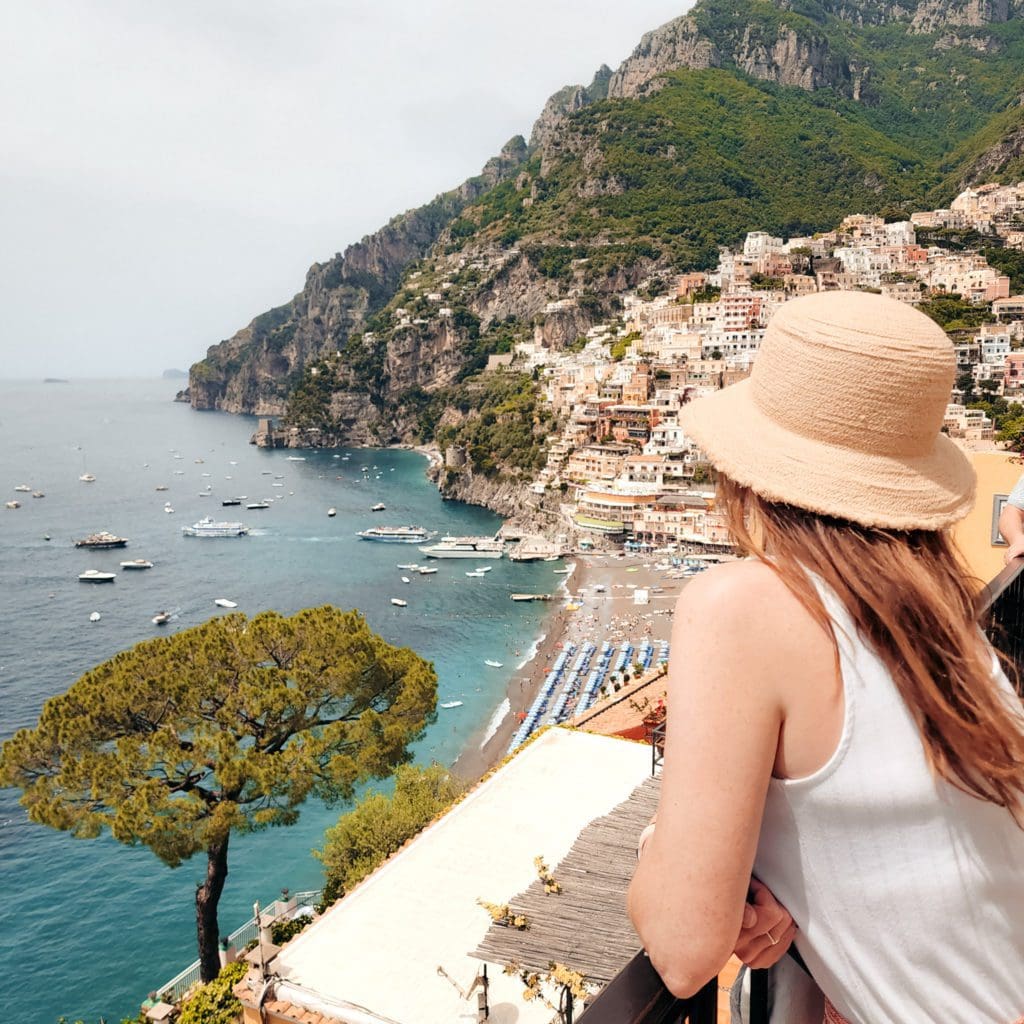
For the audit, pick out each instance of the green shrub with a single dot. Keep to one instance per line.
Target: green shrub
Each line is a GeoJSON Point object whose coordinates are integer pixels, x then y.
{"type": "Point", "coordinates": [215, 1003]}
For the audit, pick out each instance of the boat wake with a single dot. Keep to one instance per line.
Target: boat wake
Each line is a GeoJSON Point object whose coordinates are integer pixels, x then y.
{"type": "Point", "coordinates": [532, 652]}
{"type": "Point", "coordinates": [500, 712]}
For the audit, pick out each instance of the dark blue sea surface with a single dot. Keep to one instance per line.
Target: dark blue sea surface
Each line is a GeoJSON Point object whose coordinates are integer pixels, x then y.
{"type": "Point", "coordinates": [89, 927]}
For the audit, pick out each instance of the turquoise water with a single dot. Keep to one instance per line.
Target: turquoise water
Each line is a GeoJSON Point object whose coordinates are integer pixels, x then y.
{"type": "Point", "coordinates": [89, 927]}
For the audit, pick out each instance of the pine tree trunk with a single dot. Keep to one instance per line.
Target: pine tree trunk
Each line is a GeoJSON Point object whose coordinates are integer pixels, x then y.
{"type": "Point", "coordinates": [207, 898]}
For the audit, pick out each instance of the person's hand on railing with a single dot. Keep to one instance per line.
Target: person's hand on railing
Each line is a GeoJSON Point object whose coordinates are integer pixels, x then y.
{"type": "Point", "coordinates": [767, 929]}
{"type": "Point", "coordinates": [1015, 550]}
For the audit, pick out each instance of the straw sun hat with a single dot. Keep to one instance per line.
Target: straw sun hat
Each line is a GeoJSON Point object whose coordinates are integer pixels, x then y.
{"type": "Point", "coordinates": [841, 415]}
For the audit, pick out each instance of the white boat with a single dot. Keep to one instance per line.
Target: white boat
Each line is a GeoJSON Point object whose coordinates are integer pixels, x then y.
{"type": "Point", "coordinates": [379, 507]}
{"type": "Point", "coordinates": [95, 617]}
{"type": "Point", "coordinates": [332, 512]}
{"type": "Point", "coordinates": [493, 664]}
{"type": "Point", "coordinates": [95, 576]}
{"type": "Point", "coordinates": [12, 504]}
{"type": "Point", "coordinates": [277, 483]}
{"type": "Point", "coordinates": [399, 602]}
{"type": "Point", "coordinates": [483, 568]}
{"type": "Point", "coordinates": [561, 572]}
{"type": "Point", "coordinates": [451, 704]}
{"type": "Point", "coordinates": [168, 509]}
{"type": "Point", "coordinates": [395, 534]}
{"type": "Point", "coordinates": [23, 488]}
{"type": "Point", "coordinates": [258, 504]}
{"type": "Point", "coordinates": [207, 527]}
{"type": "Point", "coordinates": [405, 579]}
{"type": "Point", "coordinates": [296, 458]}
{"type": "Point", "coordinates": [465, 547]}
{"type": "Point", "coordinates": [223, 602]}
{"type": "Point", "coordinates": [161, 487]}
{"type": "Point", "coordinates": [425, 570]}
{"type": "Point", "coordinates": [161, 618]}
{"type": "Point", "coordinates": [410, 566]}
{"type": "Point", "coordinates": [87, 478]}
{"type": "Point", "coordinates": [231, 501]}
{"type": "Point", "coordinates": [137, 563]}
{"type": "Point", "coordinates": [38, 494]}
{"type": "Point", "coordinates": [476, 575]}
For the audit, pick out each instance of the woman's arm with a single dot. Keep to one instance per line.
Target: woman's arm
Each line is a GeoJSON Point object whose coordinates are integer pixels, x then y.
{"type": "Point", "coordinates": [737, 633]}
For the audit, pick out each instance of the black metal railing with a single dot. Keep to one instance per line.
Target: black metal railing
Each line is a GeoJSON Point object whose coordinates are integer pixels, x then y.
{"type": "Point", "coordinates": [657, 747]}
{"type": "Point", "coordinates": [637, 995]}
{"type": "Point", "coordinates": [1001, 612]}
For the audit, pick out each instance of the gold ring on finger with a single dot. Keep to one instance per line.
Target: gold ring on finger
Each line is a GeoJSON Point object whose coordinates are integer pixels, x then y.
{"type": "Point", "coordinates": [771, 938]}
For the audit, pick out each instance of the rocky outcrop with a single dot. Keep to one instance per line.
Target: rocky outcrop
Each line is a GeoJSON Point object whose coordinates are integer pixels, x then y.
{"type": "Point", "coordinates": [993, 163]}
{"type": "Point", "coordinates": [252, 371]}
{"type": "Point", "coordinates": [678, 44]}
{"type": "Point", "coordinates": [933, 15]}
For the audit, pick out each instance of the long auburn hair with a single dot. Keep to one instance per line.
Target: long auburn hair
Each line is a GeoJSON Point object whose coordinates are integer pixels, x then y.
{"type": "Point", "coordinates": [912, 601]}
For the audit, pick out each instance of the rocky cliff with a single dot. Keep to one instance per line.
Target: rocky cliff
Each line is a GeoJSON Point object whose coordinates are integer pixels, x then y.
{"type": "Point", "coordinates": [739, 115]}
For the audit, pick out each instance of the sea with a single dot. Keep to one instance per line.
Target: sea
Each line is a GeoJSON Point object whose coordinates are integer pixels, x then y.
{"type": "Point", "coordinates": [89, 927]}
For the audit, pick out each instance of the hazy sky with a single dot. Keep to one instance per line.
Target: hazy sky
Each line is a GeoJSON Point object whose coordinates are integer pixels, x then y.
{"type": "Point", "coordinates": [170, 168]}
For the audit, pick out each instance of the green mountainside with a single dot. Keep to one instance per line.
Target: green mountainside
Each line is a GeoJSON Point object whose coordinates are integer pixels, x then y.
{"type": "Point", "coordinates": [742, 115]}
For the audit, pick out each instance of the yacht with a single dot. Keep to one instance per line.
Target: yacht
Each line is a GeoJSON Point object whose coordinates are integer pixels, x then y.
{"type": "Point", "coordinates": [95, 576]}
{"type": "Point", "coordinates": [223, 602]}
{"type": "Point", "coordinates": [379, 507]}
{"type": "Point", "coordinates": [231, 501]}
{"type": "Point", "coordinates": [137, 563]}
{"type": "Point", "coordinates": [207, 527]}
{"type": "Point", "coordinates": [465, 547]}
{"type": "Point", "coordinates": [101, 541]}
{"type": "Point", "coordinates": [258, 504]}
{"type": "Point", "coordinates": [395, 534]}
{"type": "Point", "coordinates": [398, 602]}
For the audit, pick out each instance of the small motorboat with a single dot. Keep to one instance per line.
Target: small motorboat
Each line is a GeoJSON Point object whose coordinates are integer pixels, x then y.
{"type": "Point", "coordinates": [161, 487]}
{"type": "Point", "coordinates": [168, 509]}
{"type": "Point", "coordinates": [231, 501]}
{"type": "Point", "coordinates": [23, 488]}
{"type": "Point", "coordinates": [451, 704]}
{"type": "Point", "coordinates": [561, 572]}
{"type": "Point", "coordinates": [425, 570]}
{"type": "Point", "coordinates": [476, 575]}
{"type": "Point", "coordinates": [95, 617]}
{"type": "Point", "coordinates": [223, 602]}
{"type": "Point", "coordinates": [332, 512]}
{"type": "Point", "coordinates": [12, 504]}
{"type": "Point", "coordinates": [296, 458]}
{"type": "Point", "coordinates": [398, 602]}
{"type": "Point", "coordinates": [410, 566]}
{"type": "Point", "coordinates": [87, 478]}
{"type": "Point", "coordinates": [379, 507]}
{"type": "Point", "coordinates": [483, 568]}
{"type": "Point", "coordinates": [277, 483]}
{"type": "Point", "coordinates": [493, 664]}
{"type": "Point", "coordinates": [38, 494]}
{"type": "Point", "coordinates": [405, 579]}
{"type": "Point", "coordinates": [137, 563]}
{"type": "Point", "coordinates": [95, 576]}
{"type": "Point", "coordinates": [258, 504]}
{"type": "Point", "coordinates": [161, 618]}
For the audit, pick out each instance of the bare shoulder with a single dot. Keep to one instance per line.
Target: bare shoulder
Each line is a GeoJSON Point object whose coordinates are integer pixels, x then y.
{"type": "Point", "coordinates": [745, 598]}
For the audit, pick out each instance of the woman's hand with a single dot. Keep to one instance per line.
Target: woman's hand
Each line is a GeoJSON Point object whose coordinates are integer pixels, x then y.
{"type": "Point", "coordinates": [767, 929]}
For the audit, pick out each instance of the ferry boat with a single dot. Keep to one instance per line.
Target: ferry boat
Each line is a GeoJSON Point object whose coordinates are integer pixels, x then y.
{"type": "Point", "coordinates": [101, 540]}
{"type": "Point", "coordinates": [395, 534]}
{"type": "Point", "coordinates": [466, 547]}
{"type": "Point", "coordinates": [207, 527]}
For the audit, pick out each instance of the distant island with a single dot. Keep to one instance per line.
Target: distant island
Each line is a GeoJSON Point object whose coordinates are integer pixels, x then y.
{"type": "Point", "coordinates": [174, 374]}
{"type": "Point", "coordinates": [55, 380]}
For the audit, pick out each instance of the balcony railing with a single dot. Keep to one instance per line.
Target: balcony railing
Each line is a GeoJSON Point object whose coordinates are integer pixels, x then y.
{"type": "Point", "coordinates": [636, 995]}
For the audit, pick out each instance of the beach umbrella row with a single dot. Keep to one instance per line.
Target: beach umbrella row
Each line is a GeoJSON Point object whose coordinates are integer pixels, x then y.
{"type": "Point", "coordinates": [540, 703]}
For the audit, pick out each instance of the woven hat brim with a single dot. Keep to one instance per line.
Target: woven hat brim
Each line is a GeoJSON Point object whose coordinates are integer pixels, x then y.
{"type": "Point", "coordinates": [928, 492]}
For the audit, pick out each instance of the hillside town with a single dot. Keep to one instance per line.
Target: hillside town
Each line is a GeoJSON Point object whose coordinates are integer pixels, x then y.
{"type": "Point", "coordinates": [628, 475]}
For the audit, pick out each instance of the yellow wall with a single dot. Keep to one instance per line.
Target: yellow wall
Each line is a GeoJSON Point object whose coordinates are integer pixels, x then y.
{"type": "Point", "coordinates": [997, 473]}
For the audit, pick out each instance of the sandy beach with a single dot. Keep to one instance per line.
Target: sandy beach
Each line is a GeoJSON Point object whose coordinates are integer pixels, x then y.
{"type": "Point", "coordinates": [608, 615]}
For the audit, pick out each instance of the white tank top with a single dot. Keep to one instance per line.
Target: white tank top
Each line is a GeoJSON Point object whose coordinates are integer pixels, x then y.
{"type": "Point", "coordinates": [909, 894]}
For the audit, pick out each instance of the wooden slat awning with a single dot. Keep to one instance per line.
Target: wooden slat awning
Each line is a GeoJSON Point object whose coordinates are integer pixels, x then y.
{"type": "Point", "coordinates": [584, 927]}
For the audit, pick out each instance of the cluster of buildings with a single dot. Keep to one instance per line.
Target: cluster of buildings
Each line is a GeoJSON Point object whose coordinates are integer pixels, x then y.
{"type": "Point", "coordinates": [627, 472]}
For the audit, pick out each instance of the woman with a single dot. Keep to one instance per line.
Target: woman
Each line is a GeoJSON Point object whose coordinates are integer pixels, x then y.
{"type": "Point", "coordinates": [837, 727]}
